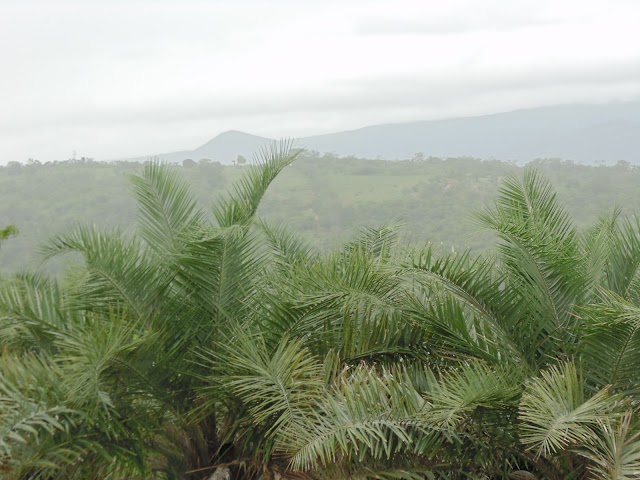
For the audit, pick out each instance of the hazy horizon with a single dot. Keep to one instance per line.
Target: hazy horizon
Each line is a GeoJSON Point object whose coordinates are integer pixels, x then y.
{"type": "Point", "coordinates": [120, 79]}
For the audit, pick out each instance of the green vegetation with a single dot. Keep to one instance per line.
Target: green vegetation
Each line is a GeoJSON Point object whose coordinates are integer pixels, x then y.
{"type": "Point", "coordinates": [7, 232]}
{"type": "Point", "coordinates": [325, 198]}
{"type": "Point", "coordinates": [224, 343]}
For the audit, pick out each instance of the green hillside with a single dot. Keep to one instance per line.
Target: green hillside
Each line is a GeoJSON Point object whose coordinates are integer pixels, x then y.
{"type": "Point", "coordinates": [325, 197]}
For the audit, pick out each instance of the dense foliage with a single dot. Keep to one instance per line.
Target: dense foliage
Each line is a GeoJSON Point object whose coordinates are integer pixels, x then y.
{"type": "Point", "coordinates": [202, 342]}
{"type": "Point", "coordinates": [324, 197]}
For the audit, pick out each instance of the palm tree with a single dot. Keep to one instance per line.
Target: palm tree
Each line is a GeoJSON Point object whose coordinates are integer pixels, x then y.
{"type": "Point", "coordinates": [123, 330]}
{"type": "Point", "coordinates": [193, 345]}
{"type": "Point", "coordinates": [549, 313]}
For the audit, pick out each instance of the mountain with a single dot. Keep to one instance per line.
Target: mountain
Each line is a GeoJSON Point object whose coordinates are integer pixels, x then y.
{"type": "Point", "coordinates": [228, 145]}
{"type": "Point", "coordinates": [224, 148]}
{"type": "Point", "coordinates": [582, 133]}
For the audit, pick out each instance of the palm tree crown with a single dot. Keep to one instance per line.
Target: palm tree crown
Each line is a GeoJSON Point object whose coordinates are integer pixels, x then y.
{"type": "Point", "coordinates": [217, 343]}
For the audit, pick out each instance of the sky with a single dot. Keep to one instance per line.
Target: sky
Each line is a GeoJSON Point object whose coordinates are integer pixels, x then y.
{"type": "Point", "coordinates": [124, 78]}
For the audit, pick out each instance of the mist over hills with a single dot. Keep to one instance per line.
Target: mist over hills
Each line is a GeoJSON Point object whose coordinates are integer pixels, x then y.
{"type": "Point", "coordinates": [223, 148]}
{"type": "Point", "coordinates": [581, 133]}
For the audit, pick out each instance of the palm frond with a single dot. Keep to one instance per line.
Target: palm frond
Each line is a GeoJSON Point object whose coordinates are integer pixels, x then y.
{"type": "Point", "coordinates": [555, 415]}
{"type": "Point", "coordinates": [615, 453]}
{"type": "Point", "coordinates": [32, 311]}
{"type": "Point", "coordinates": [96, 359]}
{"type": "Point", "coordinates": [278, 390]}
{"type": "Point", "coordinates": [117, 270]}
{"type": "Point", "coordinates": [378, 242]}
{"type": "Point", "coordinates": [85, 402]}
{"type": "Point", "coordinates": [622, 268]}
{"type": "Point", "coordinates": [32, 411]}
{"type": "Point", "coordinates": [610, 344]}
{"type": "Point", "coordinates": [214, 285]}
{"type": "Point", "coordinates": [465, 307]}
{"type": "Point", "coordinates": [597, 244]}
{"type": "Point", "coordinates": [353, 302]}
{"type": "Point", "coordinates": [366, 416]}
{"type": "Point", "coordinates": [288, 248]}
{"type": "Point", "coordinates": [541, 253]}
{"type": "Point", "coordinates": [467, 388]}
{"type": "Point", "coordinates": [240, 205]}
{"type": "Point", "coordinates": [167, 208]}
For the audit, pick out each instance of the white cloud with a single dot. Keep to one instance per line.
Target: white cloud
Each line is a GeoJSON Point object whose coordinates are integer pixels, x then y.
{"type": "Point", "coordinates": [119, 78]}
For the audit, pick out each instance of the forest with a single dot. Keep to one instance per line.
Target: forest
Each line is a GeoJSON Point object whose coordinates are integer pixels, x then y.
{"type": "Point", "coordinates": [220, 343]}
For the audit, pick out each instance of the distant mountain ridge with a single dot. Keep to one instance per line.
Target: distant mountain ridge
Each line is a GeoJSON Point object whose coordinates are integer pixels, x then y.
{"type": "Point", "coordinates": [582, 133]}
{"type": "Point", "coordinates": [223, 148]}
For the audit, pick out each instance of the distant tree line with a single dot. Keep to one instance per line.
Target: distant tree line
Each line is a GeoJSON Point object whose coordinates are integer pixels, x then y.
{"type": "Point", "coordinates": [322, 196]}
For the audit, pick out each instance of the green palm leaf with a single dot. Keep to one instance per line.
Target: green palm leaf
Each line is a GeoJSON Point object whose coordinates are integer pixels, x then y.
{"type": "Point", "coordinates": [610, 345]}
{"type": "Point", "coordinates": [240, 205]}
{"type": "Point", "coordinates": [556, 416]}
{"type": "Point", "coordinates": [622, 267]}
{"type": "Point", "coordinates": [32, 311]}
{"type": "Point", "coordinates": [167, 208]}
{"type": "Point", "coordinates": [467, 388]}
{"type": "Point", "coordinates": [464, 306]}
{"type": "Point", "coordinates": [616, 452]}
{"type": "Point", "coordinates": [365, 416]}
{"type": "Point", "coordinates": [116, 270]}
{"type": "Point", "coordinates": [541, 253]}
{"type": "Point", "coordinates": [32, 412]}
{"type": "Point", "coordinates": [278, 389]}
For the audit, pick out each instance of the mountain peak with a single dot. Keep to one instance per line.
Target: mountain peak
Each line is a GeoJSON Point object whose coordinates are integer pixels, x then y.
{"type": "Point", "coordinates": [583, 133]}
{"type": "Point", "coordinates": [233, 133]}
{"type": "Point", "coordinates": [226, 146]}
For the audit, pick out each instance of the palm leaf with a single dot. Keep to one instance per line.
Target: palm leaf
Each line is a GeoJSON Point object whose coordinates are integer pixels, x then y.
{"type": "Point", "coordinates": [287, 248]}
{"type": "Point", "coordinates": [240, 205]}
{"type": "Point", "coordinates": [167, 208]}
{"type": "Point", "coordinates": [610, 344]}
{"type": "Point", "coordinates": [97, 358]}
{"type": "Point", "coordinates": [278, 389]}
{"type": "Point", "coordinates": [378, 242]}
{"type": "Point", "coordinates": [622, 267]}
{"type": "Point", "coordinates": [352, 301]}
{"type": "Point", "coordinates": [465, 307]}
{"type": "Point", "coordinates": [598, 244]}
{"type": "Point", "coordinates": [616, 452]}
{"type": "Point", "coordinates": [32, 412]}
{"type": "Point", "coordinates": [467, 388]}
{"type": "Point", "coordinates": [541, 253]}
{"type": "Point", "coordinates": [556, 416]}
{"type": "Point", "coordinates": [32, 311]}
{"type": "Point", "coordinates": [117, 270]}
{"type": "Point", "coordinates": [366, 416]}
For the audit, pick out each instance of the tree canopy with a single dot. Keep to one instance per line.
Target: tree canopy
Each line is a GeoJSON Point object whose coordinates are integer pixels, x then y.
{"type": "Point", "coordinates": [220, 342]}
{"type": "Point", "coordinates": [324, 198]}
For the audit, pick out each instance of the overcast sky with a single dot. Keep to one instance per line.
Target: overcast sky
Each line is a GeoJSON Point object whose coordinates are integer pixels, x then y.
{"type": "Point", "coordinates": [120, 78]}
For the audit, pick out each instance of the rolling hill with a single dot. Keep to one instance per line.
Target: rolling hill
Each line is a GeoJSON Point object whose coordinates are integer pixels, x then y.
{"type": "Point", "coordinates": [582, 133]}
